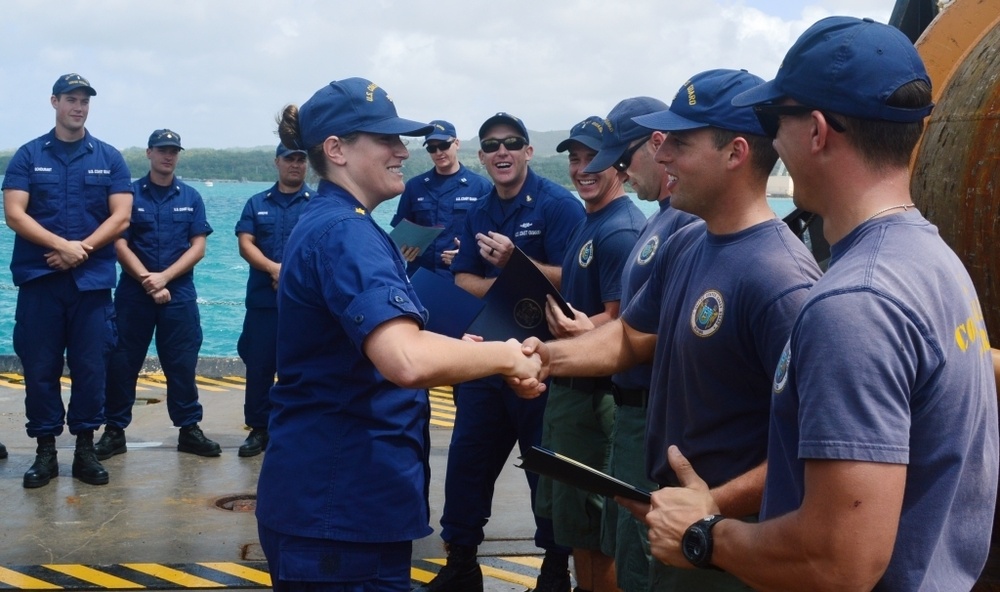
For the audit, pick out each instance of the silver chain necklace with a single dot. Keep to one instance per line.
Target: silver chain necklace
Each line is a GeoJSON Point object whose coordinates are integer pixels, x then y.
{"type": "Point", "coordinates": [884, 210]}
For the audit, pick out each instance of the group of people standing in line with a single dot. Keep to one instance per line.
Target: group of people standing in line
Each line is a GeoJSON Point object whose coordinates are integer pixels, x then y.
{"type": "Point", "coordinates": [75, 210]}
{"type": "Point", "coordinates": [800, 430]}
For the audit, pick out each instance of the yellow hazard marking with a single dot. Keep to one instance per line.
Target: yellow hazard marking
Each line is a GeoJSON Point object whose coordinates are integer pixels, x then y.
{"type": "Point", "coordinates": [242, 571]}
{"type": "Point", "coordinates": [89, 574]}
{"type": "Point", "coordinates": [421, 575]}
{"type": "Point", "coordinates": [12, 578]}
{"type": "Point", "coordinates": [238, 379]}
{"type": "Point", "coordinates": [205, 380]}
{"type": "Point", "coordinates": [172, 575]}
{"type": "Point", "coordinates": [492, 572]}
{"type": "Point", "coordinates": [535, 562]}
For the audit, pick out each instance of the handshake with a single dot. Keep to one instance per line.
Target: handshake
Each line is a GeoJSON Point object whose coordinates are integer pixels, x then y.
{"type": "Point", "coordinates": [530, 369]}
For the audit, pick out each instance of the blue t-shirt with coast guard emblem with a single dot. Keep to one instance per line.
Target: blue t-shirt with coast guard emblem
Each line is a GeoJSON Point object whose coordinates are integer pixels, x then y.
{"type": "Point", "coordinates": [721, 307]}
{"type": "Point", "coordinates": [889, 362]}
{"type": "Point", "coordinates": [437, 200]}
{"type": "Point", "coordinates": [598, 250]}
{"type": "Point", "coordinates": [269, 217]}
{"type": "Point", "coordinates": [164, 220]}
{"type": "Point", "coordinates": [348, 453]}
{"type": "Point", "coordinates": [68, 196]}
{"type": "Point", "coordinates": [659, 228]}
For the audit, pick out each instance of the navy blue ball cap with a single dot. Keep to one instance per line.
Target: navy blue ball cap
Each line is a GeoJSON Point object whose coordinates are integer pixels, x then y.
{"type": "Point", "coordinates": [282, 150]}
{"type": "Point", "coordinates": [442, 130]}
{"type": "Point", "coordinates": [507, 119]}
{"type": "Point", "coordinates": [69, 82]}
{"type": "Point", "coordinates": [589, 132]}
{"type": "Point", "coordinates": [164, 137]}
{"type": "Point", "coordinates": [620, 130]}
{"type": "Point", "coordinates": [846, 65]}
{"type": "Point", "coordinates": [706, 100]}
{"type": "Point", "coordinates": [348, 106]}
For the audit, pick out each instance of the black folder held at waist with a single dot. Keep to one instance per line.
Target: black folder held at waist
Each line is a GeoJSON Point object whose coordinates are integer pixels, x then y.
{"type": "Point", "coordinates": [565, 469]}
{"type": "Point", "coordinates": [515, 303]}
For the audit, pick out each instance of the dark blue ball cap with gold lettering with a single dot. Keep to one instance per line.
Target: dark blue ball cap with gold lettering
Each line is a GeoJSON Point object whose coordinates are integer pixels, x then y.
{"type": "Point", "coordinates": [706, 101]}
{"type": "Point", "coordinates": [588, 132]}
{"type": "Point", "coordinates": [620, 130]}
{"type": "Point", "coordinates": [67, 83]}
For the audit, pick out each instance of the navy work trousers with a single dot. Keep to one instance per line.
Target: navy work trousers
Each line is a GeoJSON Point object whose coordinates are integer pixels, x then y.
{"type": "Point", "coordinates": [54, 319]}
{"type": "Point", "coordinates": [257, 347]}
{"type": "Point", "coordinates": [178, 341]}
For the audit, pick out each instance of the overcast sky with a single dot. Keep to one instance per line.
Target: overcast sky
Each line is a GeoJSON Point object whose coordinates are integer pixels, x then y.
{"type": "Point", "coordinates": [218, 71]}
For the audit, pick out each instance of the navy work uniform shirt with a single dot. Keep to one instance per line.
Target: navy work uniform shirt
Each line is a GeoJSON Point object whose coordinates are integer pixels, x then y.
{"type": "Point", "coordinates": [270, 216]}
{"type": "Point", "coordinates": [63, 205]}
{"type": "Point", "coordinates": [348, 452]}
{"type": "Point", "coordinates": [160, 232]}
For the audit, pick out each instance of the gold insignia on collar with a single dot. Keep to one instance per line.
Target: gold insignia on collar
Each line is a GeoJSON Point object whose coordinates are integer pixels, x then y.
{"type": "Point", "coordinates": [528, 198]}
{"type": "Point", "coordinates": [360, 211]}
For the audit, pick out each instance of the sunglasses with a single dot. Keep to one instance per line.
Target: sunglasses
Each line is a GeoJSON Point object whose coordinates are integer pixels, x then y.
{"type": "Point", "coordinates": [626, 160]}
{"type": "Point", "coordinates": [442, 146]}
{"type": "Point", "coordinates": [512, 144]}
{"type": "Point", "coordinates": [770, 117]}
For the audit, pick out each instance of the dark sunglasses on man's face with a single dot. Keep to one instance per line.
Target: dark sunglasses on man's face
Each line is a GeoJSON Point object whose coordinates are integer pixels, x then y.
{"type": "Point", "coordinates": [626, 160]}
{"type": "Point", "coordinates": [770, 117]}
{"type": "Point", "coordinates": [512, 144]}
{"type": "Point", "coordinates": [442, 146]}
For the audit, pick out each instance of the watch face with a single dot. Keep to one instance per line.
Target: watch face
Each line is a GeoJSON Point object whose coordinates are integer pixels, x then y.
{"type": "Point", "coordinates": [694, 545]}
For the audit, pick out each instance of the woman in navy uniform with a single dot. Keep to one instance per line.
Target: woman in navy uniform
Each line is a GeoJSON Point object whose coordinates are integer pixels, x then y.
{"type": "Point", "coordinates": [343, 488]}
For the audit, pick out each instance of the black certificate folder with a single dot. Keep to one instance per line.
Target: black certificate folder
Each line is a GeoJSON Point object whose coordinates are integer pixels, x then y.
{"type": "Point", "coordinates": [515, 303]}
{"type": "Point", "coordinates": [563, 468]}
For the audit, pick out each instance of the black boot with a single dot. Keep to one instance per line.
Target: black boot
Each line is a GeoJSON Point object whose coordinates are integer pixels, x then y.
{"type": "Point", "coordinates": [3, 451]}
{"type": "Point", "coordinates": [86, 467]}
{"type": "Point", "coordinates": [461, 574]}
{"type": "Point", "coordinates": [192, 439]}
{"type": "Point", "coordinates": [255, 443]}
{"type": "Point", "coordinates": [112, 442]}
{"type": "Point", "coordinates": [45, 466]}
{"type": "Point", "coordinates": [554, 576]}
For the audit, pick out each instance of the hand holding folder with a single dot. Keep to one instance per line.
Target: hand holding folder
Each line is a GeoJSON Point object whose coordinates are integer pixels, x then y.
{"type": "Point", "coordinates": [563, 468]}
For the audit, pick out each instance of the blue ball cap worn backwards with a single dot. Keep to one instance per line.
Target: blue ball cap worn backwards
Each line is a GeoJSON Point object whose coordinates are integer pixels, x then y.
{"type": "Point", "coordinates": [847, 65]}
{"type": "Point", "coordinates": [589, 132]}
{"type": "Point", "coordinates": [352, 105]}
{"type": "Point", "coordinates": [706, 101]}
{"type": "Point", "coordinates": [164, 137]}
{"type": "Point", "coordinates": [442, 130]}
{"type": "Point", "coordinates": [67, 83]}
{"type": "Point", "coordinates": [620, 130]}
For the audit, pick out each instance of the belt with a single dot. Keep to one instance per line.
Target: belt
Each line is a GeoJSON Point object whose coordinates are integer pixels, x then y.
{"type": "Point", "coordinates": [625, 397]}
{"type": "Point", "coordinates": [585, 384]}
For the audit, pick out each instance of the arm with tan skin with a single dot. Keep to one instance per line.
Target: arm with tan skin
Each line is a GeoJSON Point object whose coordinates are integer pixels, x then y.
{"type": "Point", "coordinates": [561, 326]}
{"type": "Point", "coordinates": [840, 538]}
{"type": "Point", "coordinates": [413, 358]}
{"type": "Point", "coordinates": [252, 254]}
{"type": "Point", "coordinates": [154, 281]}
{"type": "Point", "coordinates": [474, 284]}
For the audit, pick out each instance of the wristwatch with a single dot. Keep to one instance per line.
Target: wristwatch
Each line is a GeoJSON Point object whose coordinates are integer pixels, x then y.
{"type": "Point", "coordinates": [697, 541]}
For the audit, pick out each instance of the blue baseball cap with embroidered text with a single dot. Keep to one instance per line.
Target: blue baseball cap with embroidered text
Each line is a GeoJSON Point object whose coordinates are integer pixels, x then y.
{"type": "Point", "coordinates": [506, 119]}
{"type": "Point", "coordinates": [164, 137]}
{"type": "Point", "coordinates": [620, 130]}
{"type": "Point", "coordinates": [69, 82]}
{"type": "Point", "coordinates": [352, 105]}
{"type": "Point", "coordinates": [442, 130]}
{"type": "Point", "coordinates": [706, 100]}
{"type": "Point", "coordinates": [589, 132]}
{"type": "Point", "coordinates": [283, 150]}
{"type": "Point", "coordinates": [846, 65]}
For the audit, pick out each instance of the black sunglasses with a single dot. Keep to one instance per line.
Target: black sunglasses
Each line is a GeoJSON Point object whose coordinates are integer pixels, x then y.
{"type": "Point", "coordinates": [442, 146]}
{"type": "Point", "coordinates": [626, 160]}
{"type": "Point", "coordinates": [512, 143]}
{"type": "Point", "coordinates": [770, 117]}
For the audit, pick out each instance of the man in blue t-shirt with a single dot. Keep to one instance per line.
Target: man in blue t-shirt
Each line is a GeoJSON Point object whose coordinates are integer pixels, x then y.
{"type": "Point", "coordinates": [262, 231]}
{"type": "Point", "coordinates": [441, 197]}
{"type": "Point", "coordinates": [156, 292]}
{"type": "Point", "coordinates": [67, 196]}
{"type": "Point", "coordinates": [883, 446]}
{"type": "Point", "coordinates": [534, 214]}
{"type": "Point", "coordinates": [715, 311]}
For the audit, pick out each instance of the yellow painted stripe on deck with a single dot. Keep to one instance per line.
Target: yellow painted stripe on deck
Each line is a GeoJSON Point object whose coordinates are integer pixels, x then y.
{"type": "Point", "coordinates": [89, 574]}
{"type": "Point", "coordinates": [212, 381]}
{"type": "Point", "coordinates": [65, 380]}
{"type": "Point", "coordinates": [509, 576]}
{"type": "Point", "coordinates": [442, 424]}
{"type": "Point", "coordinates": [141, 380]}
{"type": "Point", "coordinates": [421, 575]}
{"type": "Point", "coordinates": [238, 379]}
{"type": "Point", "coordinates": [535, 562]}
{"type": "Point", "coordinates": [242, 571]}
{"type": "Point", "coordinates": [23, 582]}
{"type": "Point", "coordinates": [450, 416]}
{"type": "Point", "coordinates": [172, 575]}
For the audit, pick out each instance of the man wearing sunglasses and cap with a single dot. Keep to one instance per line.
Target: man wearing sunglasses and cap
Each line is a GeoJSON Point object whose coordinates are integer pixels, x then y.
{"type": "Point", "coordinates": [67, 196]}
{"type": "Point", "coordinates": [440, 197]}
{"type": "Point", "coordinates": [883, 447]}
{"type": "Point", "coordinates": [156, 293]}
{"type": "Point", "coordinates": [534, 214]}
{"type": "Point", "coordinates": [262, 231]}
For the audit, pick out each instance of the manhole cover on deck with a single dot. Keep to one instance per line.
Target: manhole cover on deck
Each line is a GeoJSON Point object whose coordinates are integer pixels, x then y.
{"type": "Point", "coordinates": [237, 503]}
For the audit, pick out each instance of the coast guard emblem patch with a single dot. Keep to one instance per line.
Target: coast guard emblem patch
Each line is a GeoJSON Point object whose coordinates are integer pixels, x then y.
{"type": "Point", "coordinates": [781, 372]}
{"type": "Point", "coordinates": [706, 318]}
{"type": "Point", "coordinates": [586, 255]}
{"type": "Point", "coordinates": [648, 250]}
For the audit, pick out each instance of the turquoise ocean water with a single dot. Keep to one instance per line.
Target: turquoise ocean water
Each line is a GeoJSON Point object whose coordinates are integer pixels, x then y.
{"type": "Point", "coordinates": [221, 276]}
